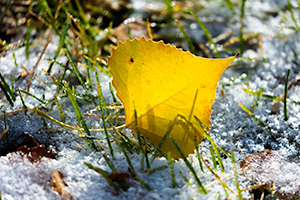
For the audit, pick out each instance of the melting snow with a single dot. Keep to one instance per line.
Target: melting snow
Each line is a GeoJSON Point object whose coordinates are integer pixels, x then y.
{"type": "Point", "coordinates": [231, 127]}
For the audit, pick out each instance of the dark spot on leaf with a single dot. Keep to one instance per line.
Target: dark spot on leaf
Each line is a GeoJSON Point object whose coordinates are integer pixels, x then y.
{"type": "Point", "coordinates": [131, 60]}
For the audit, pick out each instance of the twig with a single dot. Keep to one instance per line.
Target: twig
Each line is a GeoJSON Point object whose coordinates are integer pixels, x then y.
{"type": "Point", "coordinates": [37, 62]}
{"type": "Point", "coordinates": [39, 80]}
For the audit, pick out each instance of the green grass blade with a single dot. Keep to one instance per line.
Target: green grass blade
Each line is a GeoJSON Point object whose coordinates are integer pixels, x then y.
{"type": "Point", "coordinates": [158, 148]}
{"type": "Point", "coordinates": [44, 115]}
{"type": "Point", "coordinates": [127, 146]}
{"type": "Point", "coordinates": [104, 174]}
{"type": "Point", "coordinates": [230, 6]}
{"type": "Point", "coordinates": [256, 99]}
{"type": "Point", "coordinates": [7, 95]}
{"type": "Point", "coordinates": [6, 90]}
{"type": "Point", "coordinates": [98, 66]}
{"type": "Point", "coordinates": [100, 94]}
{"type": "Point", "coordinates": [214, 145]}
{"type": "Point", "coordinates": [89, 81]}
{"type": "Point", "coordinates": [188, 164]}
{"type": "Point", "coordinates": [187, 39]}
{"type": "Point", "coordinates": [109, 162]}
{"type": "Point", "coordinates": [132, 168]}
{"type": "Point", "coordinates": [137, 130]}
{"type": "Point", "coordinates": [100, 101]}
{"type": "Point", "coordinates": [236, 177]}
{"type": "Point", "coordinates": [241, 33]}
{"type": "Point", "coordinates": [206, 33]}
{"type": "Point", "coordinates": [151, 171]}
{"type": "Point", "coordinates": [290, 7]}
{"type": "Point", "coordinates": [22, 100]}
{"type": "Point", "coordinates": [213, 157]}
{"type": "Point", "coordinates": [45, 5]}
{"type": "Point", "coordinates": [224, 185]}
{"type": "Point", "coordinates": [169, 7]}
{"type": "Point", "coordinates": [184, 178]}
{"type": "Point", "coordinates": [285, 95]}
{"type": "Point", "coordinates": [219, 158]}
{"type": "Point", "coordinates": [299, 9]}
{"type": "Point", "coordinates": [267, 96]}
{"type": "Point", "coordinates": [198, 156]}
{"type": "Point", "coordinates": [215, 148]}
{"type": "Point", "coordinates": [273, 196]}
{"type": "Point", "coordinates": [27, 38]}
{"type": "Point", "coordinates": [61, 43]}
{"type": "Point", "coordinates": [33, 96]}
{"type": "Point", "coordinates": [15, 60]}
{"type": "Point", "coordinates": [128, 31]}
{"type": "Point", "coordinates": [171, 166]}
{"type": "Point", "coordinates": [79, 115]}
{"type": "Point", "coordinates": [112, 92]}
{"type": "Point", "coordinates": [12, 78]}
{"type": "Point", "coordinates": [78, 74]}
{"type": "Point", "coordinates": [126, 139]}
{"type": "Point", "coordinates": [142, 143]}
{"type": "Point", "coordinates": [90, 33]}
{"type": "Point", "coordinates": [252, 115]}
{"type": "Point", "coordinates": [81, 12]}
{"type": "Point", "coordinates": [61, 113]}
{"type": "Point", "coordinates": [11, 94]}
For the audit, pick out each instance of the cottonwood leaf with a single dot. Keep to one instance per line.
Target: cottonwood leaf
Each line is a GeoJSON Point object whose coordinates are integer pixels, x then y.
{"type": "Point", "coordinates": [161, 82]}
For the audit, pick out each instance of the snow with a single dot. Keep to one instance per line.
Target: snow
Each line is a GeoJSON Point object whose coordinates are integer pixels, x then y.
{"type": "Point", "coordinates": [231, 127]}
{"type": "Point", "coordinates": [268, 166]}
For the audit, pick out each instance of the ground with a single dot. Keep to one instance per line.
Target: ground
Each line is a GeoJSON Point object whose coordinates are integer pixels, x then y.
{"type": "Point", "coordinates": [256, 80]}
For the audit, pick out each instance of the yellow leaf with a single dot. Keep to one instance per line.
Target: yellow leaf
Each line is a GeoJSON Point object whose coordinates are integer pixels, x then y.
{"type": "Point", "coordinates": [161, 83]}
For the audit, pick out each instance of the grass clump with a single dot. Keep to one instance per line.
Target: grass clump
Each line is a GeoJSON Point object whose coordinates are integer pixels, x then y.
{"type": "Point", "coordinates": [7, 91]}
